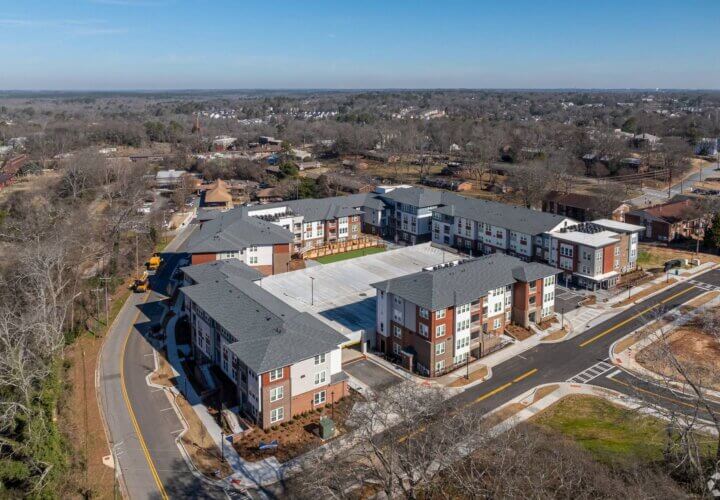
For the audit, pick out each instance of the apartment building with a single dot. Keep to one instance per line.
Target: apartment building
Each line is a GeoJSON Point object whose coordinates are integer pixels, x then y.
{"type": "Point", "coordinates": [230, 235]}
{"type": "Point", "coordinates": [415, 215]}
{"type": "Point", "coordinates": [438, 319]}
{"type": "Point", "coordinates": [482, 227]}
{"type": "Point", "coordinates": [282, 362]}
{"type": "Point", "coordinates": [594, 255]}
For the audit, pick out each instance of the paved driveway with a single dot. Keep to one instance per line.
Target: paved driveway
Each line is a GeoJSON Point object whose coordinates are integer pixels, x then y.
{"type": "Point", "coordinates": [371, 374]}
{"type": "Point", "coordinates": [565, 299]}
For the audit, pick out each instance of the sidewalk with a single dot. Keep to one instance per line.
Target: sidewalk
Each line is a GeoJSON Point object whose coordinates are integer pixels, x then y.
{"type": "Point", "coordinates": [259, 473]}
{"type": "Point", "coordinates": [627, 357]}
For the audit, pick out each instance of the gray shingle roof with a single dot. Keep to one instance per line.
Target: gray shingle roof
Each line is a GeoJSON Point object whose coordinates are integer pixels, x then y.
{"type": "Point", "coordinates": [512, 217]}
{"type": "Point", "coordinates": [463, 282]}
{"type": "Point", "coordinates": [231, 231]}
{"type": "Point", "coordinates": [221, 269]}
{"type": "Point", "coordinates": [419, 197]}
{"type": "Point", "coordinates": [270, 334]}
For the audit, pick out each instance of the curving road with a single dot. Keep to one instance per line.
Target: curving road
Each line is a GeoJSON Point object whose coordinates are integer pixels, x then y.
{"type": "Point", "coordinates": [142, 425]}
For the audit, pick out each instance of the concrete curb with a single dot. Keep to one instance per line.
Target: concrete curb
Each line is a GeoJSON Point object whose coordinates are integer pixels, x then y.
{"type": "Point", "coordinates": [626, 358]}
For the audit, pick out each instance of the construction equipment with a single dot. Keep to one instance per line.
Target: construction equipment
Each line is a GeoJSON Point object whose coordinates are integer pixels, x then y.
{"type": "Point", "coordinates": [155, 262]}
{"type": "Point", "coordinates": [140, 285]}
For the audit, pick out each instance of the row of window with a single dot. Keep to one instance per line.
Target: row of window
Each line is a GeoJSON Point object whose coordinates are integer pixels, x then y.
{"type": "Point", "coordinates": [278, 414]}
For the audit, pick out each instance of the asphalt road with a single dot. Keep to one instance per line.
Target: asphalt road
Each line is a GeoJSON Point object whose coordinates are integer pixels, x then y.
{"type": "Point", "coordinates": [559, 362]}
{"type": "Point", "coordinates": [143, 438]}
{"type": "Point", "coordinates": [141, 422]}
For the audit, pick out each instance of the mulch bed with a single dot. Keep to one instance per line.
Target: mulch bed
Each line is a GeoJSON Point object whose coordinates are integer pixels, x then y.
{"type": "Point", "coordinates": [295, 436]}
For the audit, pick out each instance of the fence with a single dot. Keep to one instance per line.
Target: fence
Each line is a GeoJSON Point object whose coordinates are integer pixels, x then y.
{"type": "Point", "coordinates": [342, 247]}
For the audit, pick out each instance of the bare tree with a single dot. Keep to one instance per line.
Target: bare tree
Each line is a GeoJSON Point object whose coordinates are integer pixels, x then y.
{"type": "Point", "coordinates": [402, 438]}
{"type": "Point", "coordinates": [686, 448]}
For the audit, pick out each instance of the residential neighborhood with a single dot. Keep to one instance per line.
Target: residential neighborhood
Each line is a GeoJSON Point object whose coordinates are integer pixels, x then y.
{"type": "Point", "coordinates": [308, 251]}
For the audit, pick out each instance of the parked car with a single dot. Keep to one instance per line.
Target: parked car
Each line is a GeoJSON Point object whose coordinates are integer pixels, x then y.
{"type": "Point", "coordinates": [672, 264]}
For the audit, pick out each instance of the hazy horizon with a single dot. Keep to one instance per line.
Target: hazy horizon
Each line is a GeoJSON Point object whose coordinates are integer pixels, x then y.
{"type": "Point", "coordinates": [175, 45]}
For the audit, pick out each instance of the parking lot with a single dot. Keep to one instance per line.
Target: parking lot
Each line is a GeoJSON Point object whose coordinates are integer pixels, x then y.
{"type": "Point", "coordinates": [566, 299]}
{"type": "Point", "coordinates": [371, 374]}
{"type": "Point", "coordinates": [341, 294]}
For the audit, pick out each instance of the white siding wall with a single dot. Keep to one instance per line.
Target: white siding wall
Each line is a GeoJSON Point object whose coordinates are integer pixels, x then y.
{"type": "Point", "coordinates": [263, 254]}
{"type": "Point", "coordinates": [383, 308]}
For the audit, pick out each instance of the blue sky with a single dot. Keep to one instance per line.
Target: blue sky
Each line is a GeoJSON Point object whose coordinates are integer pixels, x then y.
{"type": "Point", "coordinates": [181, 44]}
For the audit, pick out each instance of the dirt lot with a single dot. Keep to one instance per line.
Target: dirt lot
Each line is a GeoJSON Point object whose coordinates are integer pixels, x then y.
{"type": "Point", "coordinates": [650, 256]}
{"type": "Point", "coordinates": [697, 351]}
{"type": "Point", "coordinates": [81, 422]}
{"type": "Point", "coordinates": [295, 436]}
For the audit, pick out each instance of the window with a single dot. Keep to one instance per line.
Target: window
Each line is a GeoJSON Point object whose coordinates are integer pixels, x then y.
{"type": "Point", "coordinates": [320, 358]}
{"type": "Point", "coordinates": [276, 374]}
{"type": "Point", "coordinates": [463, 308]}
{"type": "Point", "coordinates": [496, 324]}
{"type": "Point", "coordinates": [462, 342]}
{"type": "Point", "coordinates": [549, 281]}
{"type": "Point", "coordinates": [440, 314]}
{"type": "Point", "coordinates": [617, 251]}
{"type": "Point", "coordinates": [440, 348]}
{"type": "Point", "coordinates": [463, 325]}
{"type": "Point", "coordinates": [440, 365]}
{"type": "Point", "coordinates": [320, 377]}
{"type": "Point", "coordinates": [424, 313]}
{"type": "Point", "coordinates": [440, 330]}
{"type": "Point", "coordinates": [397, 331]}
{"type": "Point", "coordinates": [253, 260]}
{"type": "Point", "coordinates": [397, 316]}
{"type": "Point", "coordinates": [424, 330]}
{"type": "Point", "coordinates": [319, 398]}
{"type": "Point", "coordinates": [397, 349]}
{"type": "Point", "coordinates": [498, 307]}
{"type": "Point", "coordinates": [276, 393]}
{"type": "Point", "coordinates": [277, 415]}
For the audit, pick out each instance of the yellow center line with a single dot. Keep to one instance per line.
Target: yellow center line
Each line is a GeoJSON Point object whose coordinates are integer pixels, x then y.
{"type": "Point", "coordinates": [634, 317]}
{"type": "Point", "coordinates": [524, 375]}
{"type": "Point", "coordinates": [407, 436]}
{"type": "Point", "coordinates": [141, 439]}
{"type": "Point", "coordinates": [493, 392]}
{"type": "Point", "coordinates": [676, 401]}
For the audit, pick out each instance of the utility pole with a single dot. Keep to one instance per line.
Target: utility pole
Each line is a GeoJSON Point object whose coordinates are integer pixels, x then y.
{"type": "Point", "coordinates": [107, 313]}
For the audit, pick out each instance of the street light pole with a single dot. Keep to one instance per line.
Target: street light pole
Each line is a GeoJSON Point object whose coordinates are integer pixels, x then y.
{"type": "Point", "coordinates": [312, 291]}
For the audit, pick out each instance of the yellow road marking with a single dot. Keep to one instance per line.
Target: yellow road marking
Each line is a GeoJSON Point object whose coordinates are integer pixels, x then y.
{"type": "Point", "coordinates": [141, 439]}
{"type": "Point", "coordinates": [676, 401]}
{"type": "Point", "coordinates": [525, 375]}
{"type": "Point", "coordinates": [481, 398]}
{"type": "Point", "coordinates": [493, 392]}
{"type": "Point", "coordinates": [634, 317]}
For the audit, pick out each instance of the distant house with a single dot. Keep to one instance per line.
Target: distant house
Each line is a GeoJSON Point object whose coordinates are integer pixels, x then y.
{"type": "Point", "coordinates": [446, 184]}
{"type": "Point", "coordinates": [346, 183]}
{"type": "Point", "coordinates": [217, 196]}
{"type": "Point", "coordinates": [581, 207]}
{"type": "Point", "coordinates": [643, 140]}
{"type": "Point", "coordinates": [223, 142]}
{"type": "Point", "coordinates": [678, 219]}
{"type": "Point", "coordinates": [267, 195]}
{"type": "Point", "coordinates": [169, 179]}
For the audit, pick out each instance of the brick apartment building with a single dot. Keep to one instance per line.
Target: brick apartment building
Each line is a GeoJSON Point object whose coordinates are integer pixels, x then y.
{"type": "Point", "coordinates": [281, 362]}
{"type": "Point", "coordinates": [437, 319]}
{"type": "Point", "coordinates": [595, 254]}
{"type": "Point", "coordinates": [406, 214]}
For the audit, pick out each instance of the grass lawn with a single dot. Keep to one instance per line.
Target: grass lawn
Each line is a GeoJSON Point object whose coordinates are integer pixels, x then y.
{"type": "Point", "coordinates": [610, 433]}
{"type": "Point", "coordinates": [327, 259]}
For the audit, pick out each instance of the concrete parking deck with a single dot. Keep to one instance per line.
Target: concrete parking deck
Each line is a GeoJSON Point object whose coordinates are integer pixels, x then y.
{"type": "Point", "coordinates": [340, 293]}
